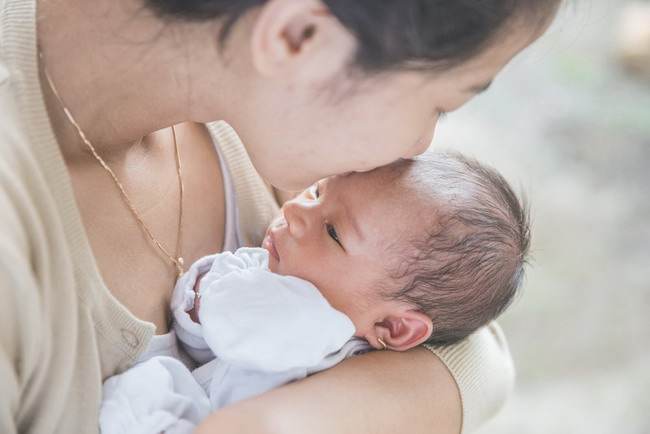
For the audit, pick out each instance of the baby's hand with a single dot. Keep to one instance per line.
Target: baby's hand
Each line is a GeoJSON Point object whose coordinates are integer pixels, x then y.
{"type": "Point", "coordinates": [194, 312]}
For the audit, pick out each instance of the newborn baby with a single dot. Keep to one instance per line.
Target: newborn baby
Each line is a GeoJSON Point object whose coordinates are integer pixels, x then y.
{"type": "Point", "coordinates": [420, 251]}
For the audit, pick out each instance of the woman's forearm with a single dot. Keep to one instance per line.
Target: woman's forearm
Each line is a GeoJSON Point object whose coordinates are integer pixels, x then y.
{"type": "Point", "coordinates": [377, 393]}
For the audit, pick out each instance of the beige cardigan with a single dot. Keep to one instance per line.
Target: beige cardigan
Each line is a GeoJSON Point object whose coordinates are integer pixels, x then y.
{"type": "Point", "coordinates": [61, 330]}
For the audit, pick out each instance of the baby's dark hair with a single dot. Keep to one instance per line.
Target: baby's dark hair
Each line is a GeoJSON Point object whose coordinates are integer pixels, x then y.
{"type": "Point", "coordinates": [467, 269]}
{"type": "Point", "coordinates": [393, 34]}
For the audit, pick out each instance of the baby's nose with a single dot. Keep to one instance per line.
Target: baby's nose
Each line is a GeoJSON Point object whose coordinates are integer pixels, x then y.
{"type": "Point", "coordinates": [296, 216]}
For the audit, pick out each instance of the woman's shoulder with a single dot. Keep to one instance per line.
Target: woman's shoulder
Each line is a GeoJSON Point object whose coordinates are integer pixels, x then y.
{"type": "Point", "coordinates": [9, 127]}
{"type": "Point", "coordinates": [21, 178]}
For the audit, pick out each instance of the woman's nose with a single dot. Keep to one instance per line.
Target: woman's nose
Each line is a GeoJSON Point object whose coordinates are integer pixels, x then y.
{"type": "Point", "coordinates": [427, 137]}
{"type": "Point", "coordinates": [432, 131]}
{"type": "Point", "coordinates": [424, 142]}
{"type": "Point", "coordinates": [300, 216]}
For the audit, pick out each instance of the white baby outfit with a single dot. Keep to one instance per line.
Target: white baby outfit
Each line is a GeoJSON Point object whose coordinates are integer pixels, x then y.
{"type": "Point", "coordinates": [257, 331]}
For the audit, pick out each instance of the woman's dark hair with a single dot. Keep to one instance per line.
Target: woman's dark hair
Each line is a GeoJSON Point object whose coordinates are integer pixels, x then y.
{"type": "Point", "coordinates": [422, 34]}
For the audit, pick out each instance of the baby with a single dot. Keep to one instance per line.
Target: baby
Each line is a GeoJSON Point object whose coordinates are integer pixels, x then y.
{"type": "Point", "coordinates": [420, 251]}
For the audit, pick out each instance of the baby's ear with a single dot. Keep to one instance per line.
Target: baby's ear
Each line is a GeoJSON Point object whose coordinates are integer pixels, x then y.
{"type": "Point", "coordinates": [403, 331]}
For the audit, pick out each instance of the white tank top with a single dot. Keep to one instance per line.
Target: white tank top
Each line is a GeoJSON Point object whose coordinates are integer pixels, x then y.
{"type": "Point", "coordinates": [232, 237]}
{"type": "Point", "coordinates": [167, 344]}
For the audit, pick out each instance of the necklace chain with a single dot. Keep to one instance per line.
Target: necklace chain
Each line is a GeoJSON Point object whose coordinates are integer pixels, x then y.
{"type": "Point", "coordinates": [176, 260]}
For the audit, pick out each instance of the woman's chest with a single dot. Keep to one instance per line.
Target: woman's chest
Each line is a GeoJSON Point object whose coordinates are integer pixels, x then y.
{"type": "Point", "coordinates": [138, 272]}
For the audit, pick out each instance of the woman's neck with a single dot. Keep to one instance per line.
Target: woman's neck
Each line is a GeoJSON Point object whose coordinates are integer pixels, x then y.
{"type": "Point", "coordinates": [119, 69]}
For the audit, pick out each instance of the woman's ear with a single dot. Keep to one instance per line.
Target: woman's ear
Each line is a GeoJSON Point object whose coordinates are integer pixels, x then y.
{"type": "Point", "coordinates": [403, 331]}
{"type": "Point", "coordinates": [300, 40]}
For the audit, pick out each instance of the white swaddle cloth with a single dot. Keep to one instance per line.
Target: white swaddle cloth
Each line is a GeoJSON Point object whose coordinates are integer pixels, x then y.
{"type": "Point", "coordinates": [258, 330]}
{"type": "Point", "coordinates": [159, 395]}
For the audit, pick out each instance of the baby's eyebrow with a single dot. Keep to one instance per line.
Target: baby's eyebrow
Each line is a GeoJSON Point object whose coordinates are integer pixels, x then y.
{"type": "Point", "coordinates": [347, 216]}
{"type": "Point", "coordinates": [354, 223]}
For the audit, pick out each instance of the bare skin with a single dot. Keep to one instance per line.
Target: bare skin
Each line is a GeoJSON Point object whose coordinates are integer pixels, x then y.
{"type": "Point", "coordinates": [112, 228]}
{"type": "Point", "coordinates": [125, 74]}
{"type": "Point", "coordinates": [379, 392]}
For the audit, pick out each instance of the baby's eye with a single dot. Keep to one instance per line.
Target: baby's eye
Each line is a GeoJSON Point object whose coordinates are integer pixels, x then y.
{"type": "Point", "coordinates": [331, 231]}
{"type": "Point", "coordinates": [316, 191]}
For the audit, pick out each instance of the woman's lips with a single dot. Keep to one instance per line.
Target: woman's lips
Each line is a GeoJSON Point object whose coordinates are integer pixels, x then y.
{"type": "Point", "coordinates": [269, 244]}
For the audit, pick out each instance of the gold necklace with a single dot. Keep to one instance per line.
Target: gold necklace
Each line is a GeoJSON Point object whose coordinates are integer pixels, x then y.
{"type": "Point", "coordinates": [176, 260]}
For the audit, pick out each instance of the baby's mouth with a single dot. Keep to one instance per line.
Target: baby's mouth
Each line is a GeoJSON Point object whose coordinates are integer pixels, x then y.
{"type": "Point", "coordinates": [269, 244]}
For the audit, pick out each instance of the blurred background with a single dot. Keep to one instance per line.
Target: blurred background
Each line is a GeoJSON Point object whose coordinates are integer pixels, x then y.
{"type": "Point", "coordinates": [570, 126]}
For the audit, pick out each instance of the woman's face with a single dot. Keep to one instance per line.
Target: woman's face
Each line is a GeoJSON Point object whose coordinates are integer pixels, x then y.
{"type": "Point", "coordinates": [306, 118]}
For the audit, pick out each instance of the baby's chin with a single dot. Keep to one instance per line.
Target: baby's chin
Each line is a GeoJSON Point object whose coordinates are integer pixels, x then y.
{"type": "Point", "coordinates": [274, 266]}
{"type": "Point", "coordinates": [274, 257]}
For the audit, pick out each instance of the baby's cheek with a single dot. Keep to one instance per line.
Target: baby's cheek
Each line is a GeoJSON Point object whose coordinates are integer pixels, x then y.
{"type": "Point", "coordinates": [273, 265]}
{"type": "Point", "coordinates": [286, 266]}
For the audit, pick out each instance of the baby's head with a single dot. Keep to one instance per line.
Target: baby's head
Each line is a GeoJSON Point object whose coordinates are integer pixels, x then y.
{"type": "Point", "coordinates": [423, 250]}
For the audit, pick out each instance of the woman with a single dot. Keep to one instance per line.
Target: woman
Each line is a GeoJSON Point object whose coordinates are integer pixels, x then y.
{"type": "Point", "coordinates": [105, 201]}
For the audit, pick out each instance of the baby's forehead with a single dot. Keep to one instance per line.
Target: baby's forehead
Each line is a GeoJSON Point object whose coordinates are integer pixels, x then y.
{"type": "Point", "coordinates": [403, 203]}
{"type": "Point", "coordinates": [400, 187]}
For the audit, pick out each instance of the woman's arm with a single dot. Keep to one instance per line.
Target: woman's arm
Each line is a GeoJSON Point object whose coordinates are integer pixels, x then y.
{"type": "Point", "coordinates": [380, 392]}
{"type": "Point", "coordinates": [386, 392]}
